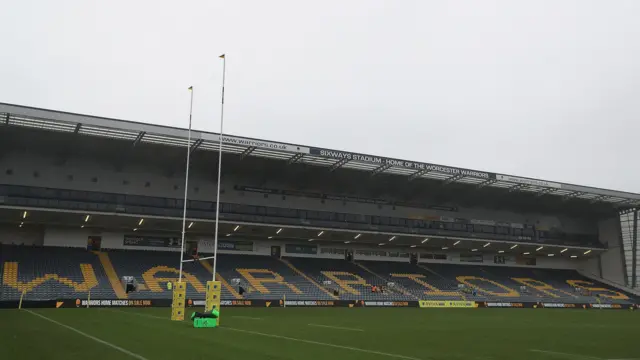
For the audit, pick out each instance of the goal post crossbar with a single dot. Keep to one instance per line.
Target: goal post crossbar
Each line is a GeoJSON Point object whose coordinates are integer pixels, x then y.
{"type": "Point", "coordinates": [198, 259]}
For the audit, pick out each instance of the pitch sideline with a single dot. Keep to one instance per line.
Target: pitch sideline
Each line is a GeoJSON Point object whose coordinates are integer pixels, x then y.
{"type": "Point", "coordinates": [113, 346]}
{"type": "Point", "coordinates": [335, 327]}
{"type": "Point", "coordinates": [396, 356]}
{"type": "Point", "coordinates": [573, 356]}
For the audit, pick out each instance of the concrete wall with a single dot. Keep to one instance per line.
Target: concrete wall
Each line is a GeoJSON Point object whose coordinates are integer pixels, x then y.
{"type": "Point", "coordinates": [612, 262]}
{"type": "Point", "coordinates": [66, 238]}
{"type": "Point", "coordinates": [13, 235]}
{"type": "Point", "coordinates": [591, 266]}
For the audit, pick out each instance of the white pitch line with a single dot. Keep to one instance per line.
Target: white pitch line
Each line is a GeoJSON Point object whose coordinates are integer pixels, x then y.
{"type": "Point", "coordinates": [164, 318]}
{"type": "Point", "coordinates": [246, 317]}
{"type": "Point", "coordinates": [285, 337]}
{"type": "Point", "coordinates": [323, 344]}
{"type": "Point", "coordinates": [335, 327]}
{"type": "Point", "coordinates": [139, 314]}
{"type": "Point", "coordinates": [565, 355]}
{"type": "Point", "coordinates": [289, 338]}
{"type": "Point", "coordinates": [125, 351]}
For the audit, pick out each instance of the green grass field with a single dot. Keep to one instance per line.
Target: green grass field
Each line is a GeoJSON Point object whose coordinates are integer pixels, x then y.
{"type": "Point", "coordinates": [321, 333]}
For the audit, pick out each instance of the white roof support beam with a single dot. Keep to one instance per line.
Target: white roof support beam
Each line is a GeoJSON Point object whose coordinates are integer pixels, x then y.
{"type": "Point", "coordinates": [380, 169]}
{"type": "Point", "coordinates": [295, 158]}
{"type": "Point", "coordinates": [486, 183]}
{"type": "Point", "coordinates": [517, 187]}
{"type": "Point", "coordinates": [418, 174]}
{"type": "Point", "coordinates": [138, 138]}
{"type": "Point", "coordinates": [453, 179]}
{"type": "Point", "coordinates": [247, 152]}
{"type": "Point", "coordinates": [573, 195]}
{"type": "Point", "coordinates": [338, 164]}
{"type": "Point", "coordinates": [546, 191]}
{"type": "Point", "coordinates": [195, 145]}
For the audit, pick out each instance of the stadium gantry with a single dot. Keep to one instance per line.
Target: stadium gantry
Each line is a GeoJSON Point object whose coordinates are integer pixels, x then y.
{"type": "Point", "coordinates": [15, 115]}
{"type": "Point", "coordinates": [414, 230]}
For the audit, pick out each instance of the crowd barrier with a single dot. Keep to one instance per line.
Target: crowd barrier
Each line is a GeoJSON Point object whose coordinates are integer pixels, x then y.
{"type": "Point", "coordinates": [83, 303]}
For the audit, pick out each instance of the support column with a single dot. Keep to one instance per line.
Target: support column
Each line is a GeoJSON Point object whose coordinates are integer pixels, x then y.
{"type": "Point", "coordinates": [634, 250]}
{"type": "Point", "coordinates": [623, 257]}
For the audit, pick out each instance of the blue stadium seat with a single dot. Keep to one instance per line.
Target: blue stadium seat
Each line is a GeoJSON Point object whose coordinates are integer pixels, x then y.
{"type": "Point", "coordinates": [52, 273]}
{"type": "Point", "coordinates": [70, 273]}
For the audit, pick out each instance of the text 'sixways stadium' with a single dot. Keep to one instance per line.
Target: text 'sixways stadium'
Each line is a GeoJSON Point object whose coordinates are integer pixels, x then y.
{"type": "Point", "coordinates": [88, 203]}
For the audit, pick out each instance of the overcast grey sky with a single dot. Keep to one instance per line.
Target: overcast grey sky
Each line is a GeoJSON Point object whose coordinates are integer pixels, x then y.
{"type": "Point", "coordinates": [545, 89]}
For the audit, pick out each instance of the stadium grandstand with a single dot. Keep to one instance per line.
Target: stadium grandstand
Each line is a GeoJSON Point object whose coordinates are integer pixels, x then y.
{"type": "Point", "coordinates": [89, 205]}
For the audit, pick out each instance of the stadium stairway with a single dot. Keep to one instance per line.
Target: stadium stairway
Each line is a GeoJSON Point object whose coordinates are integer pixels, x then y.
{"type": "Point", "coordinates": [52, 273]}
{"type": "Point", "coordinates": [154, 269]}
{"type": "Point", "coordinates": [269, 278]}
{"type": "Point", "coordinates": [112, 276]}
{"type": "Point", "coordinates": [300, 273]}
{"type": "Point", "coordinates": [353, 282]}
{"type": "Point", "coordinates": [223, 281]}
{"type": "Point", "coordinates": [541, 285]}
{"type": "Point", "coordinates": [489, 289]}
{"type": "Point", "coordinates": [612, 284]}
{"type": "Point", "coordinates": [568, 280]}
{"type": "Point", "coordinates": [497, 283]}
{"type": "Point", "coordinates": [414, 279]}
{"type": "Point", "coordinates": [429, 270]}
{"type": "Point", "coordinates": [398, 288]}
{"type": "Point", "coordinates": [444, 287]}
{"type": "Point", "coordinates": [71, 273]}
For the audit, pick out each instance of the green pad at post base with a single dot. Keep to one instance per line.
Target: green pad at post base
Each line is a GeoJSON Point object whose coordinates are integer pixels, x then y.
{"type": "Point", "coordinates": [205, 323]}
